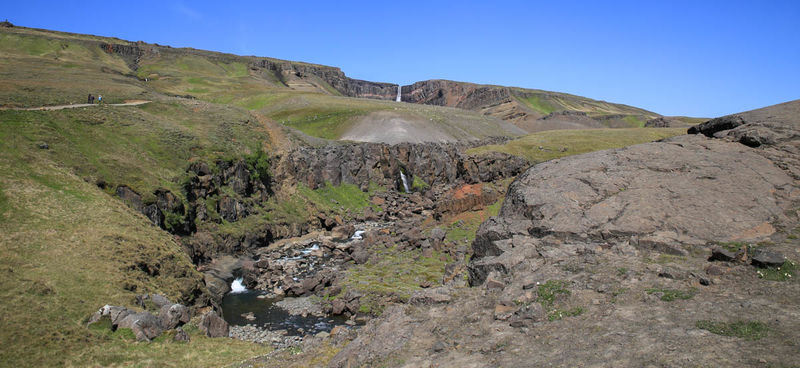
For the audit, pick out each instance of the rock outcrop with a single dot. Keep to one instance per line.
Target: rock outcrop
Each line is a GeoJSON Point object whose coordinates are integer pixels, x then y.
{"type": "Point", "coordinates": [669, 196]}
{"type": "Point", "coordinates": [295, 75]}
{"type": "Point", "coordinates": [363, 163]}
{"type": "Point", "coordinates": [213, 325]}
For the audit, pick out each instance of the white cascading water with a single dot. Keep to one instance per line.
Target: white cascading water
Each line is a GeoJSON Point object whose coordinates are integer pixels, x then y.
{"type": "Point", "coordinates": [399, 91]}
{"type": "Point", "coordinates": [357, 235]}
{"type": "Point", "coordinates": [237, 287]}
{"type": "Point", "coordinates": [405, 182]}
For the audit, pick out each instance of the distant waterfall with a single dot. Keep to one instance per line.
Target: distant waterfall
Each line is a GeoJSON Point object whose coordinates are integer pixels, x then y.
{"type": "Point", "coordinates": [399, 92]}
{"type": "Point", "coordinates": [405, 182]}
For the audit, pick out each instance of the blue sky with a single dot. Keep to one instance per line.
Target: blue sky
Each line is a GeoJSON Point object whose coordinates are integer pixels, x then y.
{"type": "Point", "coordinates": [697, 58]}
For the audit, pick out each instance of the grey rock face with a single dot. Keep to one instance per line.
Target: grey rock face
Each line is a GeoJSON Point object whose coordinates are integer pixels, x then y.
{"type": "Point", "coordinates": [363, 163]}
{"type": "Point", "coordinates": [764, 258]}
{"type": "Point", "coordinates": [213, 325]}
{"type": "Point", "coordinates": [685, 191]}
{"type": "Point", "coordinates": [174, 315]}
{"type": "Point", "coordinates": [144, 325]}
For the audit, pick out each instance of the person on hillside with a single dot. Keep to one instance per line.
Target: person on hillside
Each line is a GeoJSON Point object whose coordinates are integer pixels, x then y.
{"type": "Point", "coordinates": [90, 99]}
{"type": "Point", "coordinates": [99, 99]}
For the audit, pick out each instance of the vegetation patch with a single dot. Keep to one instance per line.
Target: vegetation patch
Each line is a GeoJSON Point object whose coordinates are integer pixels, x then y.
{"type": "Point", "coordinates": [669, 295]}
{"type": "Point", "coordinates": [393, 272]}
{"type": "Point", "coordinates": [558, 314]}
{"type": "Point", "coordinates": [548, 292]}
{"type": "Point", "coordinates": [748, 330]}
{"type": "Point", "coordinates": [785, 272]}
{"type": "Point", "coordinates": [548, 145]}
{"type": "Point", "coordinates": [338, 199]}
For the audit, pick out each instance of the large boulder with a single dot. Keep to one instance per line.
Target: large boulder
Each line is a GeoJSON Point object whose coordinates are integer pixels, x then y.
{"type": "Point", "coordinates": [174, 315]}
{"type": "Point", "coordinates": [144, 325]}
{"type": "Point", "coordinates": [213, 325]}
{"type": "Point", "coordinates": [681, 192]}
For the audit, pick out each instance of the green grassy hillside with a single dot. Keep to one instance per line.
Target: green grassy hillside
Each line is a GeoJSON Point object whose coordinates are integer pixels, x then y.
{"type": "Point", "coordinates": [548, 145]}
{"type": "Point", "coordinates": [67, 248]}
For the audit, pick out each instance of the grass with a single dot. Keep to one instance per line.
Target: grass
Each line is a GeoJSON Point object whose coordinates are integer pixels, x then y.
{"type": "Point", "coordinates": [545, 102]}
{"type": "Point", "coordinates": [561, 143]}
{"type": "Point", "coordinates": [669, 295]}
{"type": "Point", "coordinates": [345, 198]}
{"type": "Point", "coordinates": [748, 330]}
{"type": "Point", "coordinates": [66, 249]}
{"type": "Point", "coordinates": [786, 272]}
{"type": "Point", "coordinates": [561, 313]}
{"type": "Point", "coordinates": [393, 271]}
{"type": "Point", "coordinates": [548, 292]}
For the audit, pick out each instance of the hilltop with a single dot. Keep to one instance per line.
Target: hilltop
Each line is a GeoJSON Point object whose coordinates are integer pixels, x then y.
{"type": "Point", "coordinates": [310, 98]}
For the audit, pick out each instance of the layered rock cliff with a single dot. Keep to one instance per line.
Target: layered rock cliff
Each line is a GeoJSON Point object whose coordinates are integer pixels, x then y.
{"type": "Point", "coordinates": [294, 75]}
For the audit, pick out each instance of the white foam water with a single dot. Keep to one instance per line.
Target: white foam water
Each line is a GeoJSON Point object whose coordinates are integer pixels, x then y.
{"type": "Point", "coordinates": [357, 235]}
{"type": "Point", "coordinates": [399, 91]}
{"type": "Point", "coordinates": [405, 181]}
{"type": "Point", "coordinates": [237, 286]}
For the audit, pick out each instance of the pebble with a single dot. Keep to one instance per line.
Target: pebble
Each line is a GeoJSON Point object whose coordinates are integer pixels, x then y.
{"type": "Point", "coordinates": [263, 336]}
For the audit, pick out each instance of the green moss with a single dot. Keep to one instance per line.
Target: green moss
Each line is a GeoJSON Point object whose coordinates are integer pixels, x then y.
{"type": "Point", "coordinates": [561, 313]}
{"type": "Point", "coordinates": [785, 272]}
{"type": "Point", "coordinates": [327, 124]}
{"type": "Point", "coordinates": [732, 246]}
{"type": "Point", "coordinates": [338, 199]}
{"type": "Point", "coordinates": [539, 104]}
{"type": "Point", "coordinates": [748, 330]}
{"type": "Point", "coordinates": [393, 271]}
{"type": "Point", "coordinates": [418, 184]}
{"type": "Point", "coordinates": [549, 291]}
{"type": "Point", "coordinates": [669, 295]}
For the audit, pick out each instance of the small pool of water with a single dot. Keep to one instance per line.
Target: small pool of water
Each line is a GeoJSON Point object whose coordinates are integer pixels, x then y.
{"type": "Point", "coordinates": [271, 317]}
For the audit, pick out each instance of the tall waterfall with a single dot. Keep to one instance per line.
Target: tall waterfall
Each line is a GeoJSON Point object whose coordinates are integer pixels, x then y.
{"type": "Point", "coordinates": [399, 92]}
{"type": "Point", "coordinates": [405, 182]}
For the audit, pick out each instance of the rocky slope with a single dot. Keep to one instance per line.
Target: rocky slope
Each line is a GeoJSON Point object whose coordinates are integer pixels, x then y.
{"type": "Point", "coordinates": [295, 75]}
{"type": "Point", "coordinates": [653, 254]}
{"type": "Point", "coordinates": [532, 110]}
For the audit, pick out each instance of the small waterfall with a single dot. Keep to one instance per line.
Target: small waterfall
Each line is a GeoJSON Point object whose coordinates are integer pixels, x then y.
{"type": "Point", "coordinates": [399, 92]}
{"type": "Point", "coordinates": [357, 235]}
{"type": "Point", "coordinates": [237, 287]}
{"type": "Point", "coordinates": [405, 181]}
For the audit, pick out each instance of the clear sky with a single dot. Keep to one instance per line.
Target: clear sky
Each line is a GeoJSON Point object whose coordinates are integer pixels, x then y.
{"type": "Point", "coordinates": [674, 57]}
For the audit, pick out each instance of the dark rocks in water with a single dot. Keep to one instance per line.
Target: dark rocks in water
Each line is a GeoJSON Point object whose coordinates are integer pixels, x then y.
{"type": "Point", "coordinates": [213, 325]}
{"type": "Point", "coordinates": [767, 259]}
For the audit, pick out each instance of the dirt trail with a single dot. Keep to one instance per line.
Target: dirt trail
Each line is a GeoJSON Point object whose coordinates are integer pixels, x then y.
{"type": "Point", "coordinates": [61, 107]}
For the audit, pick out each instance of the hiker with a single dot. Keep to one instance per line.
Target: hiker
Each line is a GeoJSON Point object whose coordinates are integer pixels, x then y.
{"type": "Point", "coordinates": [99, 99]}
{"type": "Point", "coordinates": [90, 98]}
